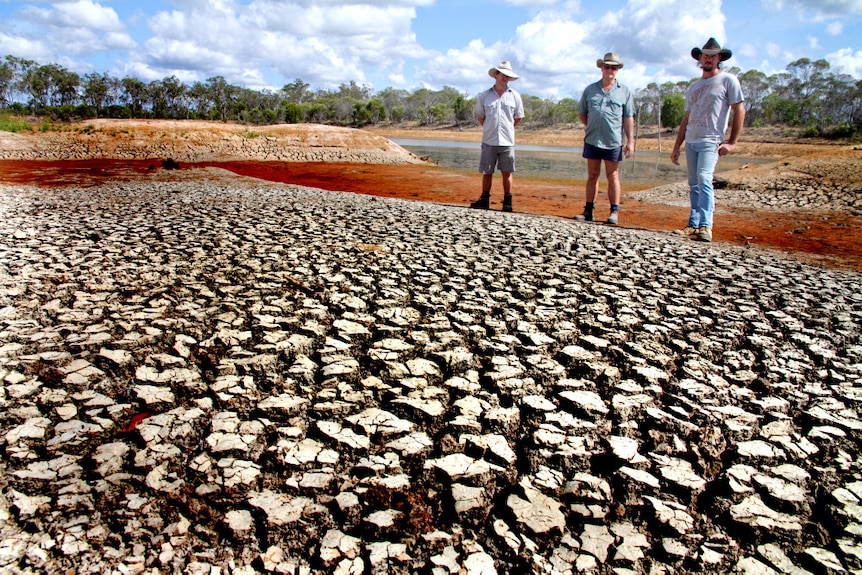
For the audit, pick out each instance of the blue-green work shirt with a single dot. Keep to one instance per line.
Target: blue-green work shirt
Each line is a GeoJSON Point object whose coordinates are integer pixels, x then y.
{"type": "Point", "coordinates": [605, 113]}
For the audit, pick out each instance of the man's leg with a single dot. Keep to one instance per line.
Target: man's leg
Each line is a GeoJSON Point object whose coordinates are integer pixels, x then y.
{"type": "Point", "coordinates": [612, 171]}
{"type": "Point", "coordinates": [508, 177]}
{"type": "Point", "coordinates": [487, 179]}
{"type": "Point", "coordinates": [707, 158]}
{"type": "Point", "coordinates": [691, 229]}
{"type": "Point", "coordinates": [594, 170]}
{"type": "Point", "coordinates": [487, 166]}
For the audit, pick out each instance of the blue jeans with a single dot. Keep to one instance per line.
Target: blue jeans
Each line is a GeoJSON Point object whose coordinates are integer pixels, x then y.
{"type": "Point", "coordinates": [701, 158]}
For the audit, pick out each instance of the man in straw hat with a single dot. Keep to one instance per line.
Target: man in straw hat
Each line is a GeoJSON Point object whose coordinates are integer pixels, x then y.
{"type": "Point", "coordinates": [606, 108]}
{"type": "Point", "coordinates": [708, 104]}
{"type": "Point", "coordinates": [499, 109]}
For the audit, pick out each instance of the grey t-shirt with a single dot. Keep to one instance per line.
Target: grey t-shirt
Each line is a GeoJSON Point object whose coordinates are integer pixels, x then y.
{"type": "Point", "coordinates": [708, 103]}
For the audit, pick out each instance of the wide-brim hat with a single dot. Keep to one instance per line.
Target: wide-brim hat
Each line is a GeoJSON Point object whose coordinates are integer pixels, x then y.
{"type": "Point", "coordinates": [711, 48]}
{"type": "Point", "coordinates": [505, 68]}
{"type": "Point", "coordinates": [610, 59]}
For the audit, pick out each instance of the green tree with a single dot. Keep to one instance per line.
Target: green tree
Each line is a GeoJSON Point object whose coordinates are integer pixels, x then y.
{"type": "Point", "coordinates": [397, 114]}
{"type": "Point", "coordinates": [293, 112]}
{"type": "Point", "coordinates": [98, 90]}
{"type": "Point", "coordinates": [221, 94]}
{"type": "Point", "coordinates": [297, 92]}
{"type": "Point", "coordinates": [461, 108]}
{"type": "Point", "coordinates": [134, 94]}
{"type": "Point", "coordinates": [199, 98]}
{"type": "Point", "coordinates": [361, 115]}
{"type": "Point", "coordinates": [393, 98]}
{"type": "Point", "coordinates": [672, 110]}
{"type": "Point", "coordinates": [438, 113]}
{"type": "Point", "coordinates": [354, 91]}
{"type": "Point", "coordinates": [755, 88]}
{"type": "Point", "coordinates": [376, 110]}
{"type": "Point", "coordinates": [567, 111]}
{"type": "Point", "coordinates": [7, 77]}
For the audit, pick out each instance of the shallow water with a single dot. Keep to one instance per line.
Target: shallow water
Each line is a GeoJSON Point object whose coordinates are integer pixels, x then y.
{"type": "Point", "coordinates": [646, 169]}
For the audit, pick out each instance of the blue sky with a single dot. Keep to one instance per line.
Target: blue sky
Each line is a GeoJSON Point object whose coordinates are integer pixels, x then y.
{"type": "Point", "coordinates": [552, 44]}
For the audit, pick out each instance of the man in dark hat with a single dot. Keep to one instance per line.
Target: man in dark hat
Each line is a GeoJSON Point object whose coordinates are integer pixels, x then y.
{"type": "Point", "coordinates": [708, 104]}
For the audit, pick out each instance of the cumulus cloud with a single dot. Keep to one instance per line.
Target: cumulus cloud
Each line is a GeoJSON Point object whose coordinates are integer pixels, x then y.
{"type": "Point", "coordinates": [846, 61]}
{"type": "Point", "coordinates": [80, 14]}
{"type": "Point", "coordinates": [557, 49]}
{"type": "Point", "coordinates": [324, 43]}
{"type": "Point", "coordinates": [16, 44]}
{"type": "Point", "coordinates": [262, 44]}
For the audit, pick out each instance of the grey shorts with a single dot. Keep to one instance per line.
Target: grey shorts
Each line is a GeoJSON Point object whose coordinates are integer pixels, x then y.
{"type": "Point", "coordinates": [494, 157]}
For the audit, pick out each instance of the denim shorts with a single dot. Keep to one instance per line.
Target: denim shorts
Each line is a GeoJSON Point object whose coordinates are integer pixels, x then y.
{"type": "Point", "coordinates": [592, 152]}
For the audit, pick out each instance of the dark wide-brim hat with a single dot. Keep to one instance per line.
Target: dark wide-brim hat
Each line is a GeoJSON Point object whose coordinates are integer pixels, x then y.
{"type": "Point", "coordinates": [711, 48]}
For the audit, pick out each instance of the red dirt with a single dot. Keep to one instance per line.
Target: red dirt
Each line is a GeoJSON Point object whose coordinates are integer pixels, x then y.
{"type": "Point", "coordinates": [814, 237]}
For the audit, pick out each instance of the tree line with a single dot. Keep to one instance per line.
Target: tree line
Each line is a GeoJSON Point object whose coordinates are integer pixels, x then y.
{"type": "Point", "coordinates": [807, 95]}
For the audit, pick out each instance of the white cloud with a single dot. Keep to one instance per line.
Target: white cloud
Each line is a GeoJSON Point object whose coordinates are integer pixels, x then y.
{"type": "Point", "coordinates": [27, 48]}
{"type": "Point", "coordinates": [87, 14]}
{"type": "Point", "coordinates": [846, 61]}
{"type": "Point", "coordinates": [62, 32]}
{"type": "Point", "coordinates": [813, 43]}
{"type": "Point", "coordinates": [466, 66]}
{"type": "Point", "coordinates": [75, 14]}
{"type": "Point", "coordinates": [325, 43]}
{"type": "Point", "coordinates": [555, 52]}
{"type": "Point", "coordinates": [835, 29]}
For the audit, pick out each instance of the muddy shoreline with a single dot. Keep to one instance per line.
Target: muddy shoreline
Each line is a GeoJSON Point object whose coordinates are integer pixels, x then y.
{"type": "Point", "coordinates": [806, 201]}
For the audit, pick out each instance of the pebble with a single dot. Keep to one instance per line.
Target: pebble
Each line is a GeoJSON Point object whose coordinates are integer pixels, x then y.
{"type": "Point", "coordinates": [230, 376]}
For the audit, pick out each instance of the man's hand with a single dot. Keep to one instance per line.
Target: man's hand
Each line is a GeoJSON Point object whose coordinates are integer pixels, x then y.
{"type": "Point", "coordinates": [629, 150]}
{"type": "Point", "coordinates": [674, 155]}
{"type": "Point", "coordinates": [725, 149]}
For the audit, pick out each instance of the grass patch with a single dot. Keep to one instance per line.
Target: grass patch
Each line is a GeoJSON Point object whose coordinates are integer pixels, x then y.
{"type": "Point", "coordinates": [9, 123]}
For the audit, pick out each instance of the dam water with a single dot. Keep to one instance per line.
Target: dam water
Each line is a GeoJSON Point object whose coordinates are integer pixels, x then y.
{"type": "Point", "coordinates": [645, 169]}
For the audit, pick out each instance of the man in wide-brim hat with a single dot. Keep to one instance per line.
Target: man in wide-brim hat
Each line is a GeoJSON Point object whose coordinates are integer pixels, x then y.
{"type": "Point", "coordinates": [498, 109]}
{"type": "Point", "coordinates": [711, 48]}
{"type": "Point", "coordinates": [708, 103]}
{"type": "Point", "coordinates": [606, 108]}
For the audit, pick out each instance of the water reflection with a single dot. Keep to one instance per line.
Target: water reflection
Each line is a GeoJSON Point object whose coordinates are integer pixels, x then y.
{"type": "Point", "coordinates": [646, 169]}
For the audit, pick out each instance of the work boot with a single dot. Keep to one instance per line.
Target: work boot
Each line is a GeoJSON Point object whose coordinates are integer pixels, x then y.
{"type": "Point", "coordinates": [507, 203]}
{"type": "Point", "coordinates": [614, 218]}
{"type": "Point", "coordinates": [484, 201]}
{"type": "Point", "coordinates": [587, 216]}
{"type": "Point", "coordinates": [704, 234]}
{"type": "Point", "coordinates": [686, 232]}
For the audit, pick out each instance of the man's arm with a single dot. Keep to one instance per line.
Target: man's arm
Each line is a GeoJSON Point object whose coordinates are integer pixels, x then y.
{"type": "Point", "coordinates": [680, 138]}
{"type": "Point", "coordinates": [629, 130]}
{"type": "Point", "coordinates": [735, 129]}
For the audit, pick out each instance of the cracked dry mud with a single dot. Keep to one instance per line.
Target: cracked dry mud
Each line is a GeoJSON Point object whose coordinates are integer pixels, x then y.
{"type": "Point", "coordinates": [222, 375]}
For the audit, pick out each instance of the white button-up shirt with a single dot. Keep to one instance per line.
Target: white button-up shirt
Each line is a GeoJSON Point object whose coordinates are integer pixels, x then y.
{"type": "Point", "coordinates": [499, 113]}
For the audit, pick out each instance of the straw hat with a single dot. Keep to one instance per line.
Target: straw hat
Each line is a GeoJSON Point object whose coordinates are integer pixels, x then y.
{"type": "Point", "coordinates": [505, 68]}
{"type": "Point", "coordinates": [610, 59]}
